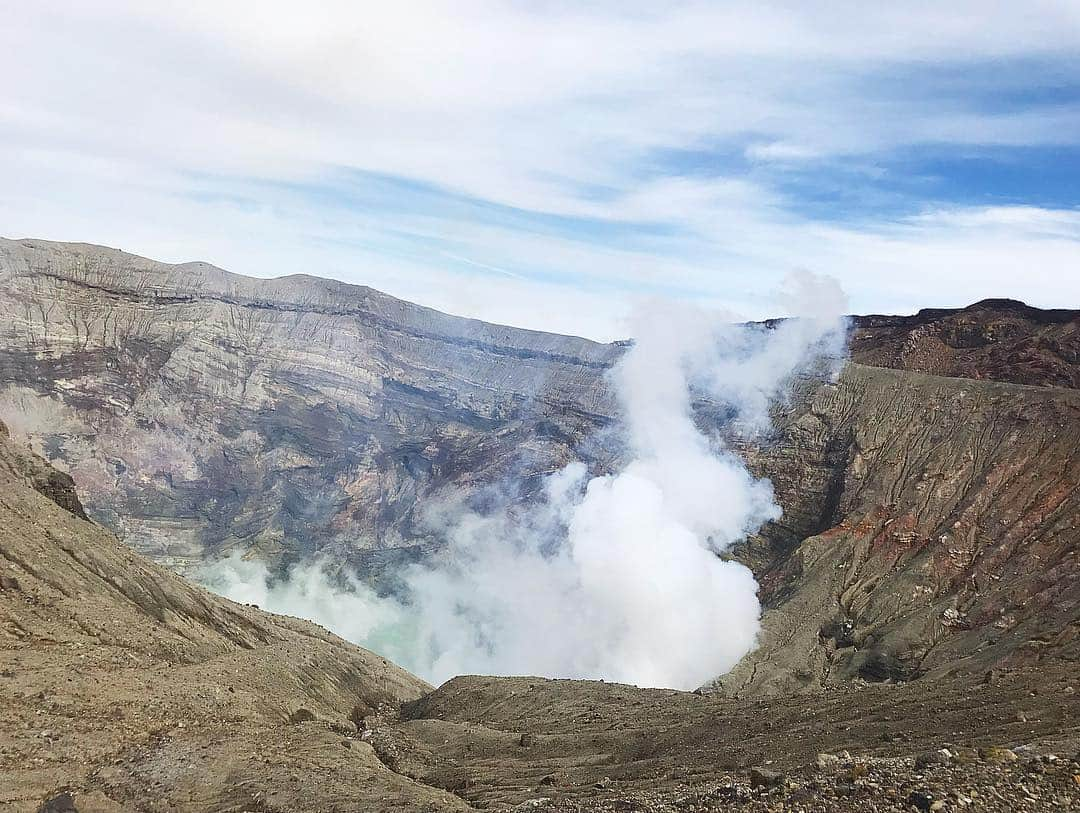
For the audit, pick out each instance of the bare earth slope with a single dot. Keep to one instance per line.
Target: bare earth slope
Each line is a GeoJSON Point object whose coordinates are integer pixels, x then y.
{"type": "Point", "coordinates": [122, 687]}
{"type": "Point", "coordinates": [132, 689]}
{"type": "Point", "coordinates": [577, 745]}
{"type": "Point", "coordinates": [998, 339]}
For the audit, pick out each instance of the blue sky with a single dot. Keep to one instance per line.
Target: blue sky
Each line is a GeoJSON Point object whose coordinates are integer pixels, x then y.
{"type": "Point", "coordinates": [552, 165]}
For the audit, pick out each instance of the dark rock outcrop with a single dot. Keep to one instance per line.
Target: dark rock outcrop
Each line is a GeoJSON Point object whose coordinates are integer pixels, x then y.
{"type": "Point", "coordinates": [43, 478]}
{"type": "Point", "coordinates": [996, 339]}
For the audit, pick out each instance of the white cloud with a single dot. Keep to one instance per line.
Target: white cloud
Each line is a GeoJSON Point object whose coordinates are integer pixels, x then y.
{"type": "Point", "coordinates": [148, 126]}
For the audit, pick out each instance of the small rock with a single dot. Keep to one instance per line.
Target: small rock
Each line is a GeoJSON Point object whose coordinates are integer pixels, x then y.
{"type": "Point", "coordinates": [346, 744]}
{"type": "Point", "coordinates": [1034, 766]}
{"type": "Point", "coordinates": [921, 800]}
{"type": "Point", "coordinates": [301, 715]}
{"type": "Point", "coordinates": [764, 778]}
{"type": "Point", "coordinates": [550, 779]}
{"type": "Point", "coordinates": [942, 756]}
{"type": "Point", "coordinates": [953, 618]}
{"type": "Point", "coordinates": [60, 803]}
{"type": "Point", "coordinates": [998, 754]}
{"type": "Point", "coordinates": [525, 740]}
{"type": "Point", "coordinates": [603, 783]}
{"type": "Point", "coordinates": [345, 728]}
{"type": "Point", "coordinates": [857, 771]}
{"type": "Point", "coordinates": [533, 804]}
{"type": "Point", "coordinates": [828, 763]}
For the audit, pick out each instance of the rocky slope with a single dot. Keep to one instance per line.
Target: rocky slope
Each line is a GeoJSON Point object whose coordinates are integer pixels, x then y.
{"type": "Point", "coordinates": [929, 496]}
{"type": "Point", "coordinates": [532, 744]}
{"type": "Point", "coordinates": [931, 524]}
{"type": "Point", "coordinates": [122, 688]}
{"type": "Point", "coordinates": [998, 339]}
{"type": "Point", "coordinates": [128, 688]}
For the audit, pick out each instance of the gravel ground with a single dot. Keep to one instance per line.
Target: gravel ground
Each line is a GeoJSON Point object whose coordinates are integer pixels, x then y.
{"type": "Point", "coordinates": [997, 779]}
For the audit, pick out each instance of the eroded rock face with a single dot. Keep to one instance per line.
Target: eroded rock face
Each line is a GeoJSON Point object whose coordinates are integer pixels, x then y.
{"type": "Point", "coordinates": [929, 522]}
{"type": "Point", "coordinates": [39, 475]}
{"type": "Point", "coordinates": [201, 411]}
{"type": "Point", "coordinates": [931, 525]}
{"type": "Point", "coordinates": [123, 687]}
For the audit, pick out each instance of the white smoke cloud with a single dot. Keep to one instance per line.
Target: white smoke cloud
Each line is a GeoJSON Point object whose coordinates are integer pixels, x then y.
{"type": "Point", "coordinates": [617, 576]}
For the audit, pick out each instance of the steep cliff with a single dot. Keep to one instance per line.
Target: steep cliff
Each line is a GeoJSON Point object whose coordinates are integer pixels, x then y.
{"type": "Point", "coordinates": [200, 411]}
{"type": "Point", "coordinates": [931, 524]}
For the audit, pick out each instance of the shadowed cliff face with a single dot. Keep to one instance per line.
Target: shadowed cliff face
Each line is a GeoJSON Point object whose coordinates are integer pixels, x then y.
{"type": "Point", "coordinates": [929, 522]}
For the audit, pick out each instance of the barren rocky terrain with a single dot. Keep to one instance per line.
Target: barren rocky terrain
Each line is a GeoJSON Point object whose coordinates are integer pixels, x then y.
{"type": "Point", "coordinates": [997, 339]}
{"type": "Point", "coordinates": [132, 689]}
{"type": "Point", "coordinates": [921, 590]}
{"type": "Point", "coordinates": [931, 526]}
{"type": "Point", "coordinates": [122, 687]}
{"type": "Point", "coordinates": [565, 744]}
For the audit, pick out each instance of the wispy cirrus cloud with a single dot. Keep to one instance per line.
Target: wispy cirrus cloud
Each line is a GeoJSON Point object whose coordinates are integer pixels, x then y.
{"type": "Point", "coordinates": [546, 164]}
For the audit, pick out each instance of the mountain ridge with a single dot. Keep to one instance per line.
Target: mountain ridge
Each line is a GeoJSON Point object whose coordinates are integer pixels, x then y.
{"type": "Point", "coordinates": [364, 293]}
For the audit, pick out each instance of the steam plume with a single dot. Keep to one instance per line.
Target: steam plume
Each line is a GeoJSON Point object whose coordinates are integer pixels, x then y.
{"type": "Point", "coordinates": [618, 576]}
